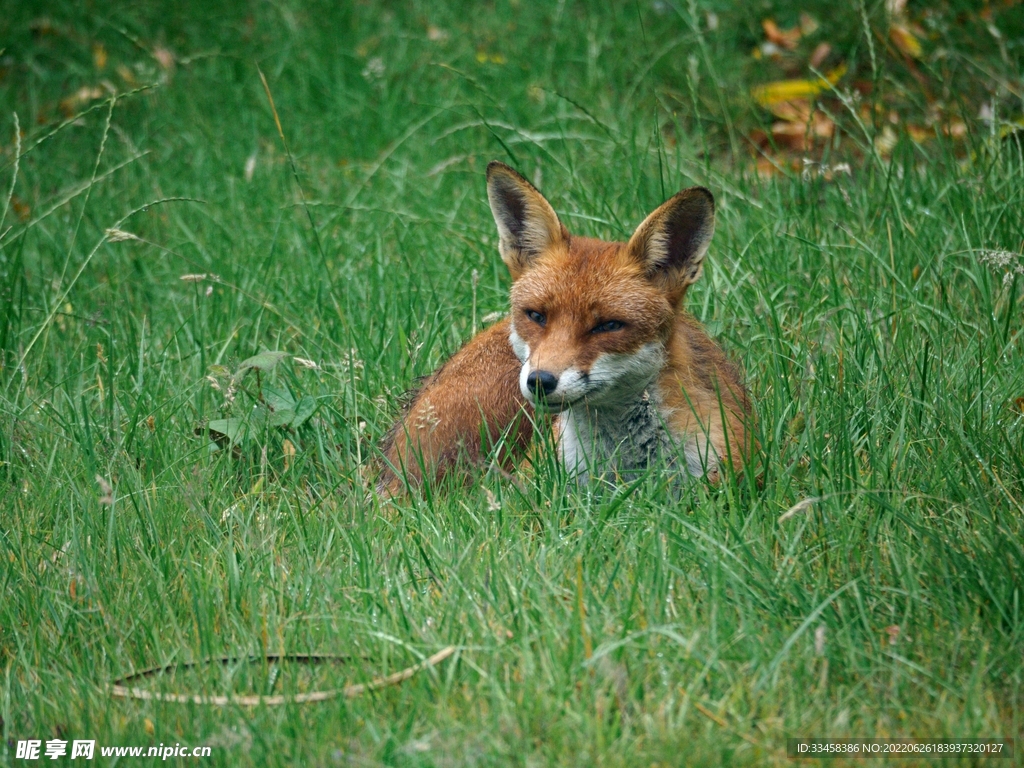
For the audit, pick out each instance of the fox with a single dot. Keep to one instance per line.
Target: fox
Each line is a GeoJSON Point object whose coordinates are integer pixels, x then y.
{"type": "Point", "coordinates": [596, 342]}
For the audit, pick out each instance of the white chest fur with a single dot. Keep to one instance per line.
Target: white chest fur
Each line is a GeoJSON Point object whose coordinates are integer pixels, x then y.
{"type": "Point", "coordinates": [617, 443]}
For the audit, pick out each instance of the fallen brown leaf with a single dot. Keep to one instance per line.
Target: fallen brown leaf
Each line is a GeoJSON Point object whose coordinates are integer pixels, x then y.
{"type": "Point", "coordinates": [21, 209]}
{"type": "Point", "coordinates": [800, 136]}
{"type": "Point", "coordinates": [784, 38]}
{"type": "Point", "coordinates": [792, 111]}
{"type": "Point", "coordinates": [786, 90]}
{"type": "Point", "coordinates": [920, 135]}
{"type": "Point", "coordinates": [164, 58]}
{"type": "Point", "coordinates": [126, 74]}
{"type": "Point", "coordinates": [85, 94]}
{"type": "Point", "coordinates": [955, 129]}
{"type": "Point", "coordinates": [768, 167]}
{"type": "Point", "coordinates": [885, 141]}
{"type": "Point", "coordinates": [905, 41]}
{"type": "Point", "coordinates": [819, 55]}
{"type": "Point", "coordinates": [797, 127]}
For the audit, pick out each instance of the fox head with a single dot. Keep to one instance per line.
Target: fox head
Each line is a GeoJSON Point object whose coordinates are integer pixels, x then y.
{"type": "Point", "coordinates": [590, 319]}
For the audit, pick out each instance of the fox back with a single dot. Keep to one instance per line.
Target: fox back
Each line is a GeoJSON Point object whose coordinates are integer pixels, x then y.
{"type": "Point", "coordinates": [597, 339]}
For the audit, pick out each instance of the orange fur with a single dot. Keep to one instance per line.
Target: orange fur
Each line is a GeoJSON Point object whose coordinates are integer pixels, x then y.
{"type": "Point", "coordinates": [597, 336]}
{"type": "Point", "coordinates": [462, 411]}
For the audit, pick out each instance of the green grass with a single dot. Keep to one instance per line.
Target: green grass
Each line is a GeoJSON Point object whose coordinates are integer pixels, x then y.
{"type": "Point", "coordinates": [638, 626]}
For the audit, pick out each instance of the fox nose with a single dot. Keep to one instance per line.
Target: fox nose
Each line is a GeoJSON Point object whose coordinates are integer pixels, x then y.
{"type": "Point", "coordinates": [541, 383]}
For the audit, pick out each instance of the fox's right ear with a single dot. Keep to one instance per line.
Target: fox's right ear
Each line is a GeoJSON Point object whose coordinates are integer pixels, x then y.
{"type": "Point", "coordinates": [527, 224]}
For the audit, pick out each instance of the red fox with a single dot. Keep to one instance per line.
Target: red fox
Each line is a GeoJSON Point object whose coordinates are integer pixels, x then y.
{"type": "Point", "coordinates": [598, 340]}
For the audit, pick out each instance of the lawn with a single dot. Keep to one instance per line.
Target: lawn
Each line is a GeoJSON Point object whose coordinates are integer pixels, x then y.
{"type": "Point", "coordinates": [187, 189]}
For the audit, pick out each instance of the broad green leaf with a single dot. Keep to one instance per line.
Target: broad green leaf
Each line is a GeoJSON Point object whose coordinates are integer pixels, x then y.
{"type": "Point", "coordinates": [281, 405]}
{"type": "Point", "coordinates": [233, 430]}
{"type": "Point", "coordinates": [264, 361]}
{"type": "Point", "coordinates": [283, 417]}
{"type": "Point", "coordinates": [278, 399]}
{"type": "Point", "coordinates": [305, 408]}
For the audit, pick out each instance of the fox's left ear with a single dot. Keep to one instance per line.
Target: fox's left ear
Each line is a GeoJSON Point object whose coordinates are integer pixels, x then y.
{"type": "Point", "coordinates": [672, 241]}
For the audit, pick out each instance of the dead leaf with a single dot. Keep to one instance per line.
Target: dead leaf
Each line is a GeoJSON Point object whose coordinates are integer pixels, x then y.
{"type": "Point", "coordinates": [99, 56]}
{"type": "Point", "coordinates": [893, 631]}
{"type": "Point", "coordinates": [955, 129]}
{"type": "Point", "coordinates": [794, 110]}
{"type": "Point", "coordinates": [798, 125]}
{"type": "Point", "coordinates": [808, 24]}
{"type": "Point", "coordinates": [819, 55]}
{"type": "Point", "coordinates": [126, 74]}
{"type": "Point", "coordinates": [79, 98]}
{"type": "Point", "coordinates": [784, 38]}
{"type": "Point", "coordinates": [920, 135]}
{"type": "Point", "coordinates": [885, 141]}
{"type": "Point", "coordinates": [788, 90]}
{"type": "Point", "coordinates": [766, 168]}
{"type": "Point", "coordinates": [164, 58]}
{"type": "Point", "coordinates": [905, 41]}
{"type": "Point", "coordinates": [1019, 402]}
{"type": "Point", "coordinates": [21, 209]}
{"type": "Point", "coordinates": [800, 136]}
{"type": "Point", "coordinates": [289, 452]}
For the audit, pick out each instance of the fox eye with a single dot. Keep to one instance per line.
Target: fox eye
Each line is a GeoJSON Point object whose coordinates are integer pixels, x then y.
{"type": "Point", "coordinates": [536, 317]}
{"type": "Point", "coordinates": [608, 326]}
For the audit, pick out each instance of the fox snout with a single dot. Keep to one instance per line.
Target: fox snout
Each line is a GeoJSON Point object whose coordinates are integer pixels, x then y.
{"type": "Point", "coordinates": [540, 384]}
{"type": "Point", "coordinates": [608, 378]}
{"type": "Point", "coordinates": [552, 390]}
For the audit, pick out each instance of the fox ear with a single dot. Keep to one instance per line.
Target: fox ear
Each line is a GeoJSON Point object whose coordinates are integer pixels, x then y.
{"type": "Point", "coordinates": [672, 241]}
{"type": "Point", "coordinates": [527, 224]}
